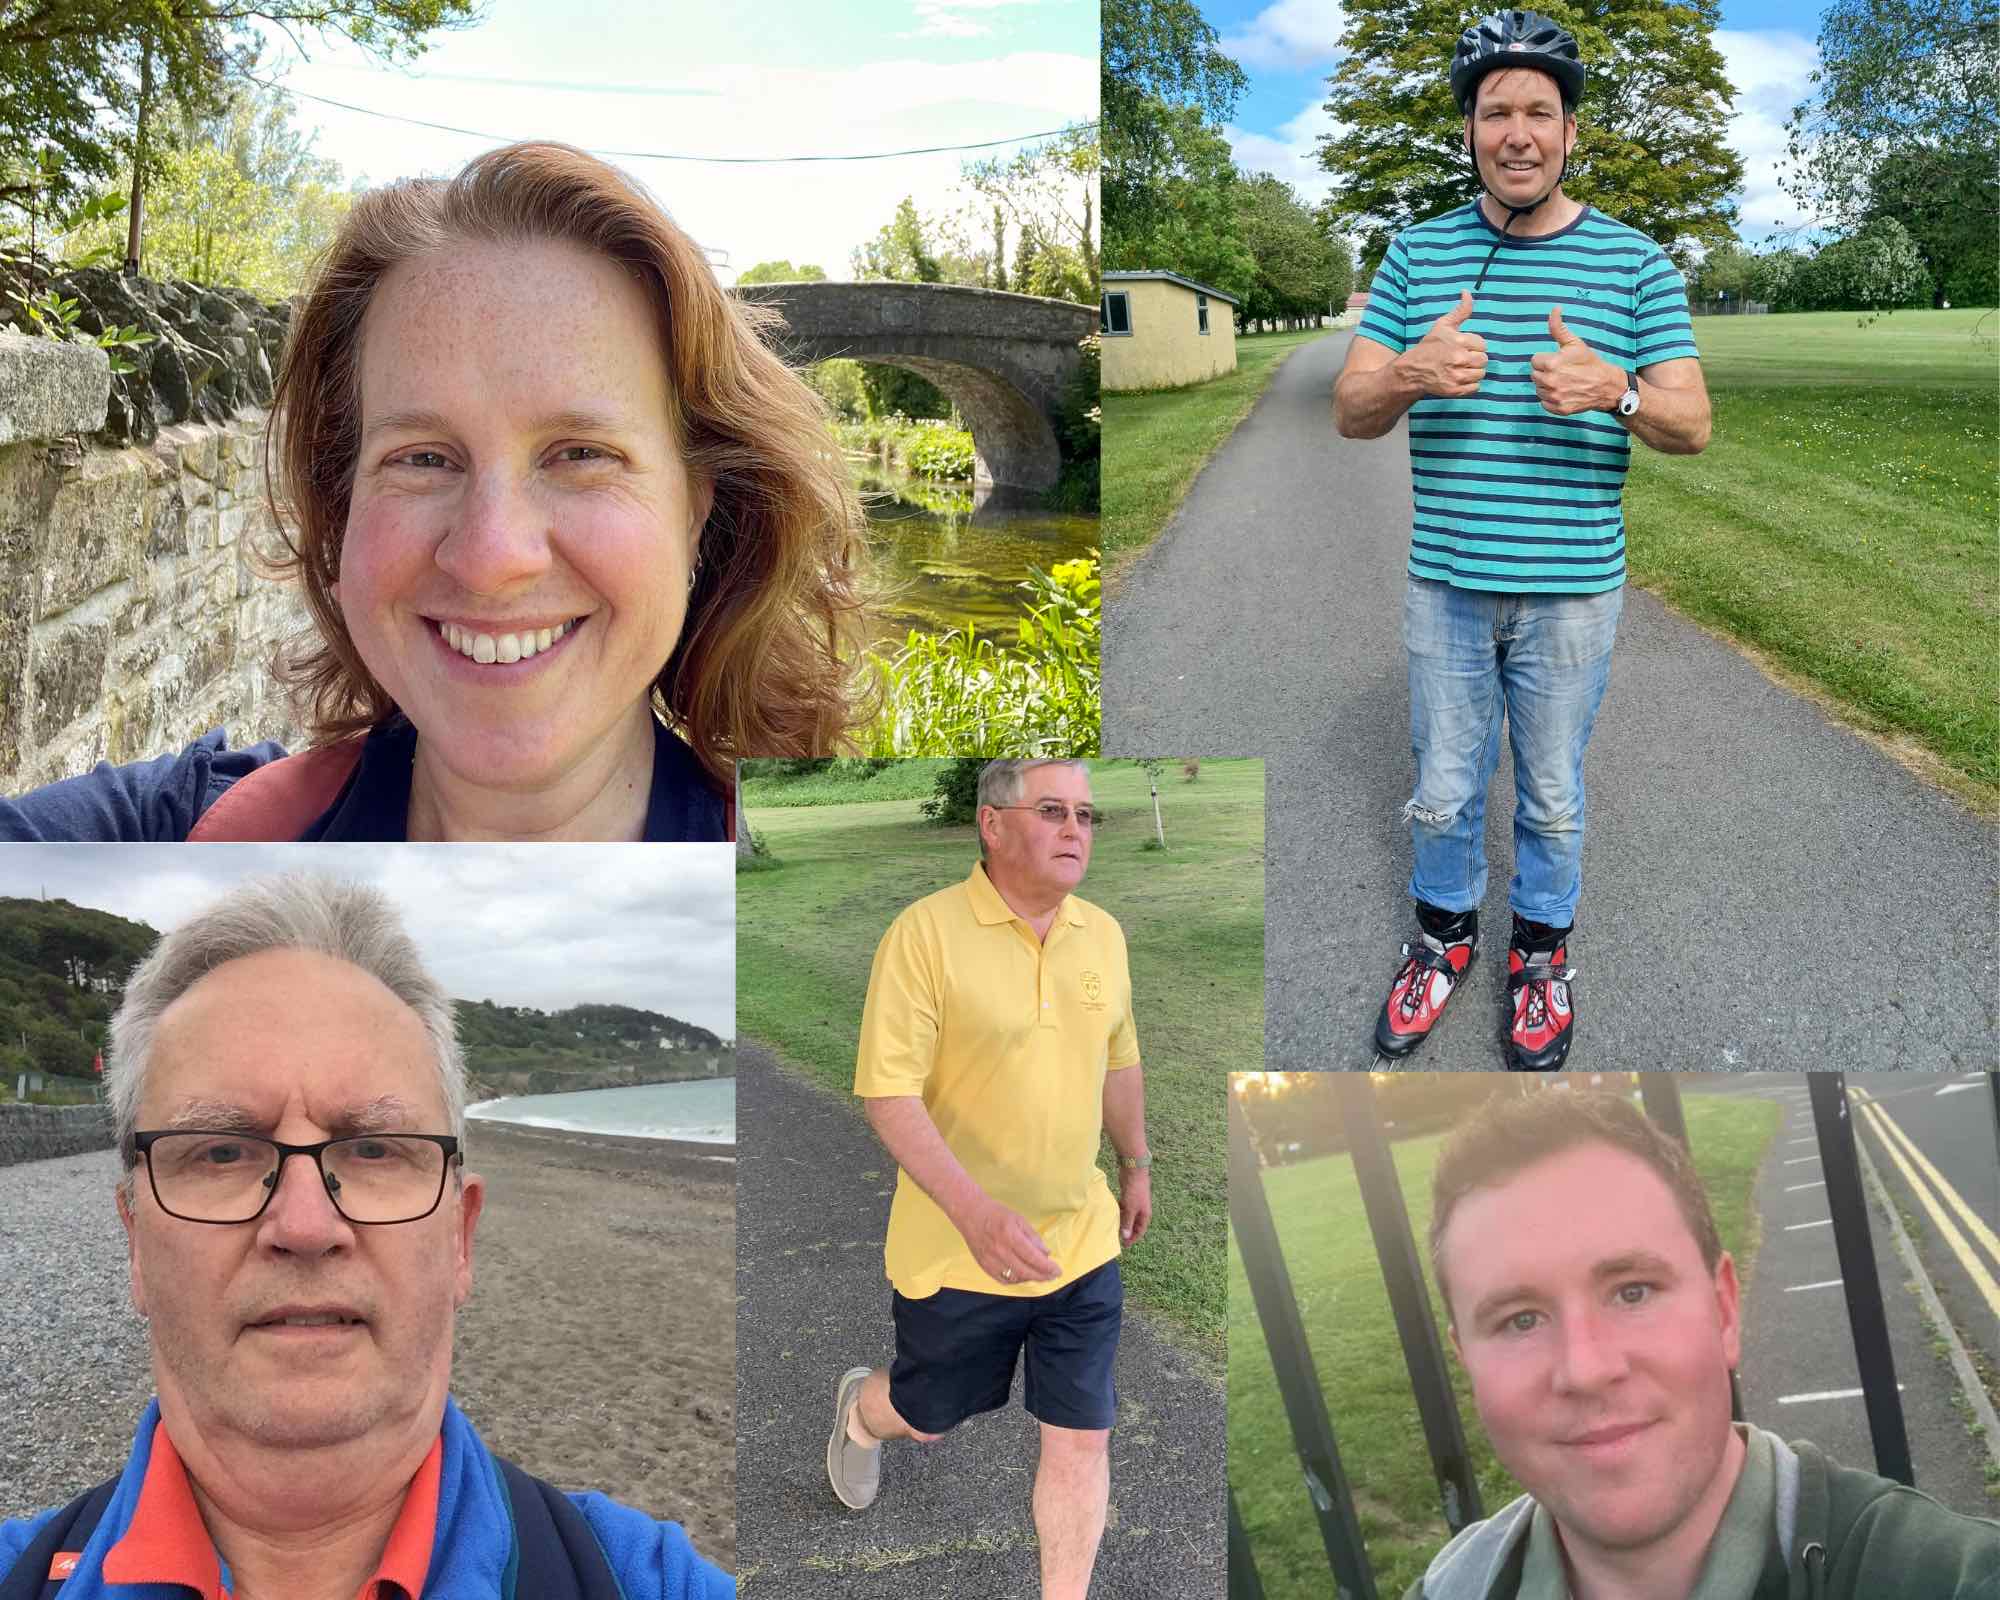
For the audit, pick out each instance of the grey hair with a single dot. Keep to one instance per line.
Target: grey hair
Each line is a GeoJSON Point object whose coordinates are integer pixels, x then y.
{"type": "Point", "coordinates": [350, 922]}
{"type": "Point", "coordinates": [1001, 783]}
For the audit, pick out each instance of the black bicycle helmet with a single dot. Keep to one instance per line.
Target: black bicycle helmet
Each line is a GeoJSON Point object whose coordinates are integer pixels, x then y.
{"type": "Point", "coordinates": [1515, 39]}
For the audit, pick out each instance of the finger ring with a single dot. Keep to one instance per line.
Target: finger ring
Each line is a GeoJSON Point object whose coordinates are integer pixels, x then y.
{"type": "Point", "coordinates": [1007, 1273]}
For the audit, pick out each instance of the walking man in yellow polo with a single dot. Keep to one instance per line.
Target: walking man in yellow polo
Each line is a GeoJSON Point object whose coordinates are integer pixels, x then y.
{"type": "Point", "coordinates": [997, 1048]}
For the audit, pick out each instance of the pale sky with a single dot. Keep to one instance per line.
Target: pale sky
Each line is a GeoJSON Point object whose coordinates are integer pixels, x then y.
{"type": "Point", "coordinates": [771, 78]}
{"type": "Point", "coordinates": [543, 925]}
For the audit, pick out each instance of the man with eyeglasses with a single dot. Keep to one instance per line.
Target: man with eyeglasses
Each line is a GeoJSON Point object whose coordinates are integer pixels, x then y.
{"type": "Point", "coordinates": [286, 1087]}
{"type": "Point", "coordinates": [997, 1048]}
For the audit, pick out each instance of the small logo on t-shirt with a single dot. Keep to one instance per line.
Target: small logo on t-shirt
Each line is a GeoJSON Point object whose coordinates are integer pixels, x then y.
{"type": "Point", "coordinates": [1093, 991]}
{"type": "Point", "coordinates": [64, 1563]}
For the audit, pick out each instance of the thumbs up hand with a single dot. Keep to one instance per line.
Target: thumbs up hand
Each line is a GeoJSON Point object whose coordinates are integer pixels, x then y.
{"type": "Point", "coordinates": [1448, 361]}
{"type": "Point", "coordinates": [1571, 377]}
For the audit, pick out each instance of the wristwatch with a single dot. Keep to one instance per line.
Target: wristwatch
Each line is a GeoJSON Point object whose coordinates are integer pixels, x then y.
{"type": "Point", "coordinates": [1139, 1162]}
{"type": "Point", "coordinates": [1628, 402]}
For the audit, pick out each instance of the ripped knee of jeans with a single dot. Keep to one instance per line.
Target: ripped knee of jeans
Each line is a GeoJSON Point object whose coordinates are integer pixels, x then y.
{"type": "Point", "coordinates": [1432, 819]}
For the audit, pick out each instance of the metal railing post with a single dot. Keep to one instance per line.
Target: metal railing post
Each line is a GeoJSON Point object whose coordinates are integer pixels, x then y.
{"type": "Point", "coordinates": [1291, 1361]}
{"type": "Point", "coordinates": [1244, 1584]}
{"type": "Point", "coordinates": [1661, 1097]}
{"type": "Point", "coordinates": [1866, 1316]}
{"type": "Point", "coordinates": [1409, 1299]}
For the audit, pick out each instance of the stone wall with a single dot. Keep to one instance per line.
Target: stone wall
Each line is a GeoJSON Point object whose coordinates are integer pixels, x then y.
{"type": "Point", "coordinates": [132, 616]}
{"type": "Point", "coordinates": [39, 1133]}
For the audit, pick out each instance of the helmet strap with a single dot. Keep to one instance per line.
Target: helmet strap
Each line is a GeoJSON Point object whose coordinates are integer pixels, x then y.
{"type": "Point", "coordinates": [1514, 213]}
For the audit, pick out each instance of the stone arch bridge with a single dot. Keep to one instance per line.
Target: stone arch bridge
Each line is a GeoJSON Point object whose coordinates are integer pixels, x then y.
{"type": "Point", "coordinates": [1004, 359]}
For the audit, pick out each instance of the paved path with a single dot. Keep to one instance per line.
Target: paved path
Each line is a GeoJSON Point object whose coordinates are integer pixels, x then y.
{"type": "Point", "coordinates": [1761, 887]}
{"type": "Point", "coordinates": [1798, 1349]}
{"type": "Point", "coordinates": [813, 1190]}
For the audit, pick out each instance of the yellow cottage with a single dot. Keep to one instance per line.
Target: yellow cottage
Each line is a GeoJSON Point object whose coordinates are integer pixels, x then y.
{"type": "Point", "coordinates": [1162, 331]}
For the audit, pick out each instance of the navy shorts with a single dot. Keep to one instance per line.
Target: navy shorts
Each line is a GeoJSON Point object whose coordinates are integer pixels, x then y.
{"type": "Point", "coordinates": [955, 1353]}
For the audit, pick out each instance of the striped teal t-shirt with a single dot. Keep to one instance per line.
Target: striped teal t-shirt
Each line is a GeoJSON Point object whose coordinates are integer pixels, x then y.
{"type": "Point", "coordinates": [1509, 496]}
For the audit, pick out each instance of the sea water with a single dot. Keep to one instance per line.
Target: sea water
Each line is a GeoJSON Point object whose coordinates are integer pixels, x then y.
{"type": "Point", "coordinates": [702, 1111]}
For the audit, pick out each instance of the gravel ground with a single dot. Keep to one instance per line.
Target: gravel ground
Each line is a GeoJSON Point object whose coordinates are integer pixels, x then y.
{"type": "Point", "coordinates": [77, 1371]}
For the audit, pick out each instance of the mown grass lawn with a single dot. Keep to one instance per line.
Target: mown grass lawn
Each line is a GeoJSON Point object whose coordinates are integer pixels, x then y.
{"type": "Point", "coordinates": [1156, 443]}
{"type": "Point", "coordinates": [1193, 915]}
{"type": "Point", "coordinates": [1330, 1254]}
{"type": "Point", "coordinates": [1845, 519]}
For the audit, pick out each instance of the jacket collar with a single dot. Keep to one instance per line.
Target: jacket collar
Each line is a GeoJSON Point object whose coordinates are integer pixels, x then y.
{"type": "Point", "coordinates": [1478, 1557]}
{"type": "Point", "coordinates": [167, 1542]}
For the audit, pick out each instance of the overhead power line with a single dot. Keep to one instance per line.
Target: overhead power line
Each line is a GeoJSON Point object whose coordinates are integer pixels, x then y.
{"type": "Point", "coordinates": [663, 155]}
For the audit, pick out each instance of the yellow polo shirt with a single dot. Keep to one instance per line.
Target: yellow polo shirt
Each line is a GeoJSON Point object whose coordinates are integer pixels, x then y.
{"type": "Point", "coordinates": [1007, 1039]}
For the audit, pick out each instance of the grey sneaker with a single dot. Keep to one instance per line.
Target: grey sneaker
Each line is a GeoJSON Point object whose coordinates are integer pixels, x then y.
{"type": "Point", "coordinates": [855, 1473]}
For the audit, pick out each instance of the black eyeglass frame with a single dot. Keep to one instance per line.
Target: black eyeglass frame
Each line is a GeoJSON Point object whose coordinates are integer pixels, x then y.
{"type": "Point", "coordinates": [142, 1144]}
{"type": "Point", "coordinates": [1096, 817]}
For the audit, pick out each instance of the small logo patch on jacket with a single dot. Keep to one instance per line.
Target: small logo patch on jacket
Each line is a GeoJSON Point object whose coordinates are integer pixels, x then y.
{"type": "Point", "coordinates": [63, 1564]}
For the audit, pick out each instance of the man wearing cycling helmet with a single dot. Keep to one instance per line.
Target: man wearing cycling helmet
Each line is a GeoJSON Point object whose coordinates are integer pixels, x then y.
{"type": "Point", "coordinates": [1529, 338]}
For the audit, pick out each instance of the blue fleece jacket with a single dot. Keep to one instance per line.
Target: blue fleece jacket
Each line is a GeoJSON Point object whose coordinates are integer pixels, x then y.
{"type": "Point", "coordinates": [474, 1541]}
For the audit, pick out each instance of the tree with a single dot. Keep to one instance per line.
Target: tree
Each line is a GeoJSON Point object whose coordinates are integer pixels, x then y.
{"type": "Point", "coordinates": [1168, 179]}
{"type": "Point", "coordinates": [780, 272]}
{"type": "Point", "coordinates": [1895, 76]}
{"type": "Point", "coordinates": [240, 199]}
{"type": "Point", "coordinates": [899, 250]}
{"type": "Point", "coordinates": [1949, 202]}
{"type": "Point", "coordinates": [1729, 270]}
{"type": "Point", "coordinates": [1876, 268]}
{"type": "Point", "coordinates": [1650, 148]}
{"type": "Point", "coordinates": [1047, 192]}
{"type": "Point", "coordinates": [76, 71]}
{"type": "Point", "coordinates": [1301, 269]}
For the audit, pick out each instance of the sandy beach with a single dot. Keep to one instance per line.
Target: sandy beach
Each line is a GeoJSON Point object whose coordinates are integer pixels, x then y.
{"type": "Point", "coordinates": [598, 1349]}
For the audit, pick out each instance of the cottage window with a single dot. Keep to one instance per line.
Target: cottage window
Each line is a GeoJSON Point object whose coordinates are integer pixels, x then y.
{"type": "Point", "coordinates": [1117, 313]}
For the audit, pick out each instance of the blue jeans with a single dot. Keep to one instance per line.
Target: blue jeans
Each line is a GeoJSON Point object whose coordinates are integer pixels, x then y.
{"type": "Point", "coordinates": [1544, 661]}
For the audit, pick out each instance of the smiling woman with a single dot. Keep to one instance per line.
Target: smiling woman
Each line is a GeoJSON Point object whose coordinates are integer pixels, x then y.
{"type": "Point", "coordinates": [571, 537]}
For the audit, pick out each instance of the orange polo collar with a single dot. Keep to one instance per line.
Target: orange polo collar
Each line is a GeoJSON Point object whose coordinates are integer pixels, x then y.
{"type": "Point", "coordinates": [168, 1542]}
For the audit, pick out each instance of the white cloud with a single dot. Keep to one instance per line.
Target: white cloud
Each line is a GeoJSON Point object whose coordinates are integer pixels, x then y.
{"type": "Point", "coordinates": [1772, 72]}
{"type": "Point", "coordinates": [1292, 155]}
{"type": "Point", "coordinates": [744, 213]}
{"type": "Point", "coordinates": [943, 19]}
{"type": "Point", "coordinates": [1291, 36]}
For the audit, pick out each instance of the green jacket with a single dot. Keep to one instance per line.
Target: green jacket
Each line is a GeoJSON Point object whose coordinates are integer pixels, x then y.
{"type": "Point", "coordinates": [1838, 1534]}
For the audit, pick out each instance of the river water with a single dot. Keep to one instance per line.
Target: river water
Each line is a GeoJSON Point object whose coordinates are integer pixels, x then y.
{"type": "Point", "coordinates": [702, 1111]}
{"type": "Point", "coordinates": [946, 565]}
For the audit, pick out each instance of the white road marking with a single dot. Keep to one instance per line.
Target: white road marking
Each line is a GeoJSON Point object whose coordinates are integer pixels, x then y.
{"type": "Point", "coordinates": [1824, 1222]}
{"type": "Point", "coordinates": [1794, 1188]}
{"type": "Point", "coordinates": [1825, 1394]}
{"type": "Point", "coordinates": [1824, 1283]}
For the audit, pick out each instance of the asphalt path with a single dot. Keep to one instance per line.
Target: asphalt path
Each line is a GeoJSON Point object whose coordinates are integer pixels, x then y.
{"type": "Point", "coordinates": [1762, 888]}
{"type": "Point", "coordinates": [812, 1207]}
{"type": "Point", "coordinates": [1798, 1350]}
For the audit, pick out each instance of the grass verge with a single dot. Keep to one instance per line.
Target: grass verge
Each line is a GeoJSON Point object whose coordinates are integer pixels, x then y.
{"type": "Point", "coordinates": [1845, 522]}
{"type": "Point", "coordinates": [1330, 1254]}
{"type": "Point", "coordinates": [1193, 916]}
{"type": "Point", "coordinates": [1157, 442]}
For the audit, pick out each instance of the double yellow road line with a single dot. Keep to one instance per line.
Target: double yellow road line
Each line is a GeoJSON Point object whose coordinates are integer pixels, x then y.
{"type": "Point", "coordinates": [1941, 1202]}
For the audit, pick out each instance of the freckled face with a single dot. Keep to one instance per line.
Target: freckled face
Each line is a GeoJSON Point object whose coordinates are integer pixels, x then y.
{"type": "Point", "coordinates": [1598, 1343]}
{"type": "Point", "coordinates": [522, 525]}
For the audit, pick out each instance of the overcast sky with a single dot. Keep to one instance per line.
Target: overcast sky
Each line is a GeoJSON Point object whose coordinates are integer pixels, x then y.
{"type": "Point", "coordinates": [1289, 48]}
{"type": "Point", "coordinates": [539, 925]}
{"type": "Point", "coordinates": [770, 78]}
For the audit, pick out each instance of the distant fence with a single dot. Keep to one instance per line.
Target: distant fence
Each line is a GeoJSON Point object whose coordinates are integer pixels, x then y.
{"type": "Point", "coordinates": [37, 1133]}
{"type": "Point", "coordinates": [1729, 308]}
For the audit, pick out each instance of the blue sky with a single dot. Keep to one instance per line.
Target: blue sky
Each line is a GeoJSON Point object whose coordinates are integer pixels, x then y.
{"type": "Point", "coordinates": [1289, 47]}
{"type": "Point", "coordinates": [768, 78]}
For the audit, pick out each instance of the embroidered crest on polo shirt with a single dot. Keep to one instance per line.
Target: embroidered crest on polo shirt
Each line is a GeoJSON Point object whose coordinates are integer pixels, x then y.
{"type": "Point", "coordinates": [1093, 991]}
